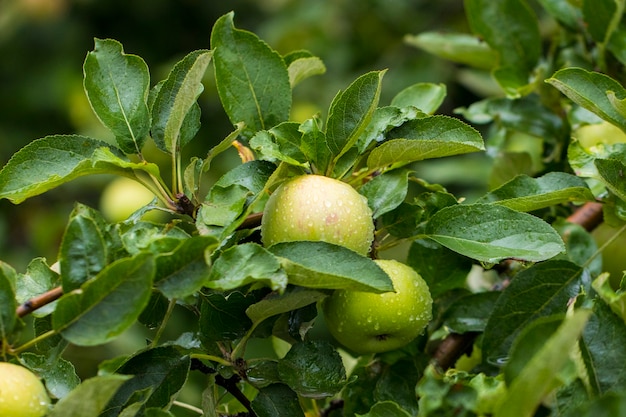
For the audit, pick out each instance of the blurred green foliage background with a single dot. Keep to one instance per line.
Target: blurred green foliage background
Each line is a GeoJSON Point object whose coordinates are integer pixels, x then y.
{"type": "Point", "coordinates": [43, 44]}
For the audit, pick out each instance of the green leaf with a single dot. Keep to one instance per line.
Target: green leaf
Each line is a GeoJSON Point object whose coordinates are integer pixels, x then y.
{"type": "Point", "coordinates": [541, 290]}
{"type": "Point", "coordinates": [274, 304]}
{"type": "Point", "coordinates": [38, 279]}
{"type": "Point", "coordinates": [183, 271]}
{"type": "Point", "coordinates": [612, 175]}
{"type": "Point", "coordinates": [8, 303]}
{"type": "Point", "coordinates": [441, 268]}
{"type": "Point", "coordinates": [117, 86]}
{"type": "Point", "coordinates": [324, 265]}
{"type": "Point", "coordinates": [175, 99]}
{"type": "Point", "coordinates": [511, 28]}
{"type": "Point", "coordinates": [615, 300]}
{"type": "Point", "coordinates": [456, 47]}
{"type": "Point", "coordinates": [106, 305]}
{"type": "Point", "coordinates": [386, 192]}
{"type": "Point", "coordinates": [351, 111]}
{"type": "Point", "coordinates": [609, 405]}
{"type": "Point", "coordinates": [602, 350]}
{"type": "Point", "coordinates": [565, 12]}
{"type": "Point", "coordinates": [314, 145]}
{"type": "Point", "coordinates": [159, 372]}
{"type": "Point", "coordinates": [470, 313]}
{"type": "Point", "coordinates": [383, 120]}
{"type": "Point", "coordinates": [46, 163]}
{"type": "Point", "coordinates": [425, 96]}
{"type": "Point", "coordinates": [591, 90]}
{"type": "Point", "coordinates": [90, 397]}
{"type": "Point", "coordinates": [385, 409]}
{"type": "Point", "coordinates": [313, 369]}
{"type": "Point", "coordinates": [244, 264]}
{"type": "Point", "coordinates": [277, 400]}
{"type": "Point", "coordinates": [59, 373]}
{"type": "Point", "coordinates": [302, 68]}
{"type": "Point", "coordinates": [83, 252]}
{"type": "Point", "coordinates": [430, 137]}
{"type": "Point", "coordinates": [540, 374]}
{"type": "Point", "coordinates": [252, 79]}
{"type": "Point", "coordinates": [223, 317]}
{"type": "Point", "coordinates": [281, 143]}
{"type": "Point", "coordinates": [524, 193]}
{"type": "Point", "coordinates": [602, 17]}
{"type": "Point", "coordinates": [491, 233]}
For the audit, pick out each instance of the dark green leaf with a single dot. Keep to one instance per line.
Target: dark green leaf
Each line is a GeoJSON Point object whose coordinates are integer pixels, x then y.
{"type": "Point", "coordinates": [511, 28]}
{"type": "Point", "coordinates": [277, 400]}
{"type": "Point", "coordinates": [324, 265]}
{"type": "Point", "coordinates": [612, 174]}
{"type": "Point", "coordinates": [185, 270]}
{"type": "Point", "coordinates": [83, 252]}
{"type": "Point", "coordinates": [90, 397]}
{"type": "Point", "coordinates": [224, 317]}
{"type": "Point", "coordinates": [456, 47]}
{"type": "Point", "coordinates": [602, 17]}
{"type": "Point", "coordinates": [383, 120]}
{"type": "Point", "coordinates": [609, 405]}
{"type": "Point", "coordinates": [351, 111]}
{"type": "Point", "coordinates": [252, 79]}
{"type": "Point", "coordinates": [430, 137]}
{"type": "Point", "coordinates": [591, 91]}
{"type": "Point", "coordinates": [441, 268]}
{"type": "Point", "coordinates": [541, 290]}
{"type": "Point", "coordinates": [160, 372]}
{"type": "Point", "coordinates": [314, 145]}
{"type": "Point", "coordinates": [470, 313]}
{"type": "Point", "coordinates": [38, 279]}
{"type": "Point", "coordinates": [491, 233]}
{"type": "Point", "coordinates": [244, 264]}
{"type": "Point", "coordinates": [397, 384]}
{"type": "Point", "coordinates": [386, 192]}
{"type": "Point", "coordinates": [117, 86]}
{"type": "Point", "coordinates": [524, 193]}
{"type": "Point", "coordinates": [565, 12]}
{"type": "Point", "coordinates": [602, 350]}
{"type": "Point", "coordinates": [106, 305]}
{"type": "Point", "coordinates": [313, 369]}
{"type": "Point", "coordinates": [293, 299]}
{"type": "Point", "coordinates": [175, 100]}
{"type": "Point", "coordinates": [8, 303]}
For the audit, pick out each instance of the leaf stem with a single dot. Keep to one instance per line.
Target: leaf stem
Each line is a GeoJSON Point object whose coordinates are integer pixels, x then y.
{"type": "Point", "coordinates": [161, 329]}
{"type": "Point", "coordinates": [33, 342]}
{"type": "Point", "coordinates": [188, 407]}
{"type": "Point", "coordinates": [211, 358]}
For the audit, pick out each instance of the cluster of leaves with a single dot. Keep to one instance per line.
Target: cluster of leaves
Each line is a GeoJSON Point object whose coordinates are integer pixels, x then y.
{"type": "Point", "coordinates": [207, 259]}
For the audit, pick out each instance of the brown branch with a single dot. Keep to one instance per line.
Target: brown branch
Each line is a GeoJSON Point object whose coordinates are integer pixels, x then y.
{"type": "Point", "coordinates": [453, 346]}
{"type": "Point", "coordinates": [39, 301]}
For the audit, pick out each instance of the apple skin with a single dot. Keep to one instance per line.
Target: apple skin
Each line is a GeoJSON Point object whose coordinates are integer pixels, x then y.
{"type": "Point", "coordinates": [318, 208]}
{"type": "Point", "coordinates": [21, 393]}
{"type": "Point", "coordinates": [122, 197]}
{"type": "Point", "coordinates": [366, 322]}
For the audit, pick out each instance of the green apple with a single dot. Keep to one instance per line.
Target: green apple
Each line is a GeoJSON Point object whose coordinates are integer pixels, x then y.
{"type": "Point", "coordinates": [366, 322]}
{"type": "Point", "coordinates": [603, 133]}
{"type": "Point", "coordinates": [122, 197]}
{"type": "Point", "coordinates": [318, 208]}
{"type": "Point", "coordinates": [21, 393]}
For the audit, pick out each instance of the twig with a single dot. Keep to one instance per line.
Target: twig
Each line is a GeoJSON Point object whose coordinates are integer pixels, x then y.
{"type": "Point", "coordinates": [39, 301]}
{"type": "Point", "coordinates": [453, 346]}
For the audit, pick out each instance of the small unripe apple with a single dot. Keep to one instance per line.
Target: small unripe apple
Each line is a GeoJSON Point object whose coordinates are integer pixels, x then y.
{"type": "Point", "coordinates": [122, 197]}
{"type": "Point", "coordinates": [21, 393]}
{"type": "Point", "coordinates": [318, 208]}
{"type": "Point", "coordinates": [366, 322]}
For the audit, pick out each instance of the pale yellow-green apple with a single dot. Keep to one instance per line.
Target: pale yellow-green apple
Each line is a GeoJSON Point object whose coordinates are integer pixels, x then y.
{"type": "Point", "coordinates": [318, 208]}
{"type": "Point", "coordinates": [21, 392]}
{"type": "Point", "coordinates": [122, 197]}
{"type": "Point", "coordinates": [366, 322]}
{"type": "Point", "coordinates": [599, 133]}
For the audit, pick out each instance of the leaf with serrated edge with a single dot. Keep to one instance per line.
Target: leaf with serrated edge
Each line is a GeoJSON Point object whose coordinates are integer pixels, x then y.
{"type": "Point", "coordinates": [175, 99]}
{"type": "Point", "coordinates": [90, 397]}
{"type": "Point", "coordinates": [591, 90]}
{"type": "Point", "coordinates": [278, 304]}
{"type": "Point", "coordinates": [524, 193]}
{"type": "Point", "coordinates": [491, 233]}
{"type": "Point", "coordinates": [106, 305]}
{"type": "Point", "coordinates": [324, 265]}
{"type": "Point", "coordinates": [117, 86]}
{"type": "Point", "coordinates": [425, 138]}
